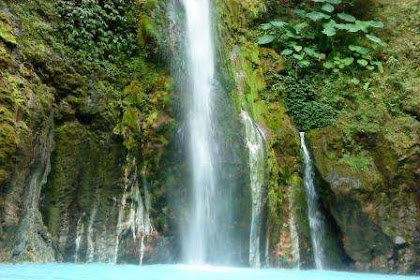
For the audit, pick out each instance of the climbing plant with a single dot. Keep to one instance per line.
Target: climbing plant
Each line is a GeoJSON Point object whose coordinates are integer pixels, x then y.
{"type": "Point", "coordinates": [99, 30]}
{"type": "Point", "coordinates": [326, 37]}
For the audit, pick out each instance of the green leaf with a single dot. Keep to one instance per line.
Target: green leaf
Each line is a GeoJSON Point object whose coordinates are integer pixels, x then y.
{"type": "Point", "coordinates": [359, 49]}
{"type": "Point", "coordinates": [348, 61]}
{"type": "Point", "coordinates": [298, 56]}
{"type": "Point", "coordinates": [265, 26]}
{"type": "Point", "coordinates": [366, 86]}
{"type": "Point", "coordinates": [315, 16]}
{"type": "Point", "coordinates": [348, 26]}
{"type": "Point", "coordinates": [299, 27]}
{"type": "Point", "coordinates": [363, 62]}
{"type": "Point", "coordinates": [304, 63]}
{"type": "Point", "coordinates": [376, 40]}
{"type": "Point", "coordinates": [376, 24]}
{"type": "Point", "coordinates": [286, 52]}
{"type": "Point", "coordinates": [379, 65]}
{"type": "Point", "coordinates": [328, 65]}
{"type": "Point", "coordinates": [311, 52]}
{"type": "Point", "coordinates": [335, 2]}
{"type": "Point", "coordinates": [300, 13]}
{"type": "Point", "coordinates": [355, 81]}
{"type": "Point", "coordinates": [370, 67]}
{"type": "Point", "coordinates": [278, 24]}
{"type": "Point", "coordinates": [297, 48]}
{"type": "Point", "coordinates": [363, 25]}
{"type": "Point", "coordinates": [266, 39]}
{"type": "Point", "coordinates": [329, 28]}
{"type": "Point", "coordinates": [327, 7]}
{"type": "Point", "coordinates": [346, 17]}
{"type": "Point", "coordinates": [329, 32]}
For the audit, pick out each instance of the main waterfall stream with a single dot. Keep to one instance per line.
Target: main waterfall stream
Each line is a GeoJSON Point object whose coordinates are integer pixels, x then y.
{"type": "Point", "coordinates": [202, 230]}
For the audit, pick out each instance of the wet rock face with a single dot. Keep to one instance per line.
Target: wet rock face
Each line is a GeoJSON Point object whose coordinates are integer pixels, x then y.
{"type": "Point", "coordinates": [376, 212]}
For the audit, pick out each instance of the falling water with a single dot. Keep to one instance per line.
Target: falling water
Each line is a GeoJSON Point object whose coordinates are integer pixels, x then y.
{"type": "Point", "coordinates": [315, 217]}
{"type": "Point", "coordinates": [202, 227]}
{"type": "Point", "coordinates": [79, 233]}
{"type": "Point", "coordinates": [90, 243]}
{"type": "Point", "coordinates": [256, 145]}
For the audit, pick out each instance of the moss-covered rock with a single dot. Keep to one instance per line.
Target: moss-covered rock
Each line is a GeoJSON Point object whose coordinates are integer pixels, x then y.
{"type": "Point", "coordinates": [371, 200]}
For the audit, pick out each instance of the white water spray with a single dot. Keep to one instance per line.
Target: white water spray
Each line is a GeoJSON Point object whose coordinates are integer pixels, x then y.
{"type": "Point", "coordinates": [256, 146]}
{"type": "Point", "coordinates": [200, 67]}
{"type": "Point", "coordinates": [316, 223]}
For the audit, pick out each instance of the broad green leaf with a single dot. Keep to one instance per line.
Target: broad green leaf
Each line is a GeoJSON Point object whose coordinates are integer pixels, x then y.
{"type": "Point", "coordinates": [362, 62]}
{"type": "Point", "coordinates": [300, 13]}
{"type": "Point", "coordinates": [370, 68]}
{"type": "Point", "coordinates": [328, 65]}
{"type": "Point", "coordinates": [376, 24]}
{"type": "Point", "coordinates": [330, 32]}
{"type": "Point", "coordinates": [355, 81]}
{"type": "Point", "coordinates": [266, 39]}
{"type": "Point", "coordinates": [327, 7]}
{"type": "Point", "coordinates": [348, 26]}
{"type": "Point", "coordinates": [265, 26]}
{"type": "Point", "coordinates": [297, 48]}
{"type": "Point", "coordinates": [287, 52]}
{"type": "Point", "coordinates": [363, 25]}
{"type": "Point", "coordinates": [348, 61]}
{"type": "Point", "coordinates": [311, 52]}
{"type": "Point", "coordinates": [315, 16]}
{"type": "Point", "coordinates": [366, 86]}
{"type": "Point", "coordinates": [304, 63]}
{"type": "Point", "coordinates": [299, 27]}
{"type": "Point", "coordinates": [278, 24]}
{"type": "Point", "coordinates": [335, 2]}
{"type": "Point", "coordinates": [298, 56]}
{"type": "Point", "coordinates": [346, 17]}
{"type": "Point", "coordinates": [359, 49]}
{"type": "Point", "coordinates": [329, 28]}
{"type": "Point", "coordinates": [379, 65]}
{"type": "Point", "coordinates": [376, 40]}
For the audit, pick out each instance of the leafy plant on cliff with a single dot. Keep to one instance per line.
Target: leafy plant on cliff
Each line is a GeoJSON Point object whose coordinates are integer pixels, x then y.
{"type": "Point", "coordinates": [301, 102]}
{"type": "Point", "coordinates": [99, 30]}
{"type": "Point", "coordinates": [326, 37]}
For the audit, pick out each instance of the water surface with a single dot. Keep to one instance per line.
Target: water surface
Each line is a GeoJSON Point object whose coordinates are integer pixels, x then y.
{"type": "Point", "coordinates": [171, 272]}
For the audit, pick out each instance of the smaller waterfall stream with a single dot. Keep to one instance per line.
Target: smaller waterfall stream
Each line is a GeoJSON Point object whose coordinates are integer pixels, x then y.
{"type": "Point", "coordinates": [256, 145]}
{"type": "Point", "coordinates": [316, 222]}
{"type": "Point", "coordinates": [79, 234]}
{"type": "Point", "coordinates": [133, 213]}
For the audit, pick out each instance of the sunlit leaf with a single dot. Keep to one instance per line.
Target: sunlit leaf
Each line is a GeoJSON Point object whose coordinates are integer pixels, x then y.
{"type": "Point", "coordinates": [376, 40]}
{"type": "Point", "coordinates": [362, 62]}
{"type": "Point", "coordinates": [316, 16]}
{"type": "Point", "coordinates": [346, 17]}
{"type": "Point", "coordinates": [287, 52]}
{"type": "Point", "coordinates": [266, 39]}
{"type": "Point", "coordinates": [327, 7]}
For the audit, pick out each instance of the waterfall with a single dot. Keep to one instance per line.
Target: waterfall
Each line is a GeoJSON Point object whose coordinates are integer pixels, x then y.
{"type": "Point", "coordinates": [79, 233]}
{"type": "Point", "coordinates": [90, 244]}
{"type": "Point", "coordinates": [295, 240]}
{"type": "Point", "coordinates": [256, 145]}
{"type": "Point", "coordinates": [133, 212]}
{"type": "Point", "coordinates": [316, 222]}
{"type": "Point", "coordinates": [202, 228]}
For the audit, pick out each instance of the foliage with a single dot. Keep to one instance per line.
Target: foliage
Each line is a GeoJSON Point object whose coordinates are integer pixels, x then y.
{"type": "Point", "coordinates": [99, 30]}
{"type": "Point", "coordinates": [306, 111]}
{"type": "Point", "coordinates": [326, 37]}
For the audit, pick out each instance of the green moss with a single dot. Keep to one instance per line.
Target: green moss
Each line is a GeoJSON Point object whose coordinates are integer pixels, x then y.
{"type": "Point", "coordinates": [6, 34]}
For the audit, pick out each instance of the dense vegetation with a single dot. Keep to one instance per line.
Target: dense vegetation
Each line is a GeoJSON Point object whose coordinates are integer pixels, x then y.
{"type": "Point", "coordinates": [94, 76]}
